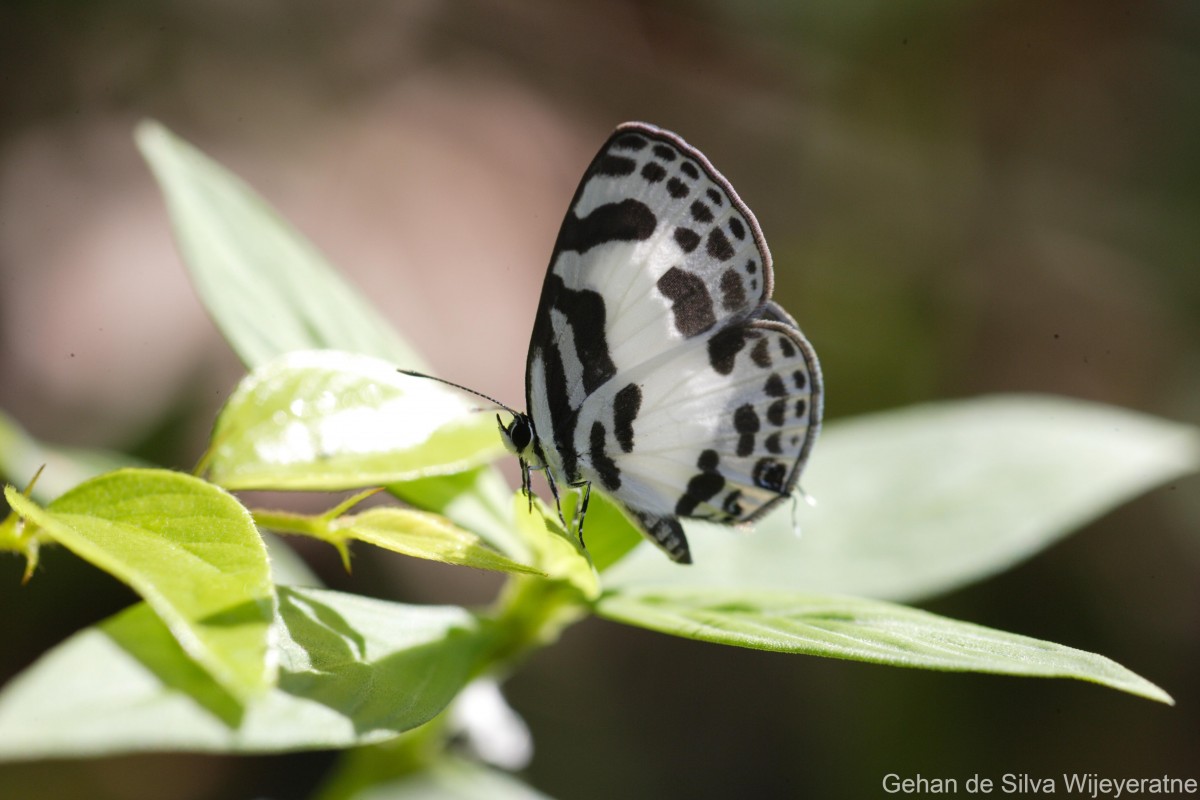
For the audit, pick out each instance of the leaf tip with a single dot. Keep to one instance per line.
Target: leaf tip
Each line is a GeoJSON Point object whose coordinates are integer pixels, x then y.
{"type": "Point", "coordinates": [31, 562]}
{"type": "Point", "coordinates": [344, 551]}
{"type": "Point", "coordinates": [148, 133]}
{"type": "Point", "coordinates": [1151, 691]}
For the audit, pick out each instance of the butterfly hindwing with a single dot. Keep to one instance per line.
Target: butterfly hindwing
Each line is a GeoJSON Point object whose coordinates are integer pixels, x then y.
{"type": "Point", "coordinates": [723, 444]}
{"type": "Point", "coordinates": [658, 368]}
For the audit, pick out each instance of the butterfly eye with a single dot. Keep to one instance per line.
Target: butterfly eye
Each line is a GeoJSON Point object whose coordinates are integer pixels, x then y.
{"type": "Point", "coordinates": [520, 433]}
{"type": "Point", "coordinates": [517, 434]}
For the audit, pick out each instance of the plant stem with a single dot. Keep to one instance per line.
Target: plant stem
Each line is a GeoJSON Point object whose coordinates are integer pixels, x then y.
{"type": "Point", "coordinates": [530, 613]}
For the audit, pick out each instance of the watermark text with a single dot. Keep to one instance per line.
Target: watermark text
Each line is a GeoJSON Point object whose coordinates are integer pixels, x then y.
{"type": "Point", "coordinates": [1071, 784]}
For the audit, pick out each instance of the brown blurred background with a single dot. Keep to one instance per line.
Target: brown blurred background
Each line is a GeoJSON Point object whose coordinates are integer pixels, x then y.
{"type": "Point", "coordinates": [961, 198]}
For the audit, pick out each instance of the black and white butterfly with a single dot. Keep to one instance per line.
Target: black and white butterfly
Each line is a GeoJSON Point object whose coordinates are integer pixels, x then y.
{"type": "Point", "coordinates": [659, 370]}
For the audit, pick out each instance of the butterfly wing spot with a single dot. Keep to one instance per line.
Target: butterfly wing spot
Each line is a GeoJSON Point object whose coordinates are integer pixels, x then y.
{"type": "Point", "coordinates": [687, 239]}
{"type": "Point", "coordinates": [691, 304]}
{"type": "Point", "coordinates": [703, 486]}
{"type": "Point", "coordinates": [601, 461]}
{"type": "Point", "coordinates": [700, 489]}
{"type": "Point", "coordinates": [616, 166]}
{"type": "Point", "coordinates": [584, 313]}
{"type": "Point", "coordinates": [628, 141]}
{"type": "Point", "coordinates": [777, 412]}
{"type": "Point", "coordinates": [733, 293]}
{"type": "Point", "coordinates": [719, 246]}
{"type": "Point", "coordinates": [653, 173]}
{"type": "Point", "coordinates": [677, 188]}
{"type": "Point", "coordinates": [746, 423]}
{"type": "Point", "coordinates": [724, 346]}
{"type": "Point", "coordinates": [663, 152]}
{"type": "Point", "coordinates": [629, 220]}
{"type": "Point", "coordinates": [625, 410]}
{"type": "Point", "coordinates": [667, 533]}
{"type": "Point", "coordinates": [739, 231]}
{"type": "Point", "coordinates": [546, 385]}
{"type": "Point", "coordinates": [761, 353]}
{"type": "Point", "coordinates": [774, 385]}
{"type": "Point", "coordinates": [770, 474]}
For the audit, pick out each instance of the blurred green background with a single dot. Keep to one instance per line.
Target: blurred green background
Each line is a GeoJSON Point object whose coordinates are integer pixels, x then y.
{"type": "Point", "coordinates": [961, 198]}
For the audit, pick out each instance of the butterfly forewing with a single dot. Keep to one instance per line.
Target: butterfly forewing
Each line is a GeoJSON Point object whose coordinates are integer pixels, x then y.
{"type": "Point", "coordinates": [658, 369]}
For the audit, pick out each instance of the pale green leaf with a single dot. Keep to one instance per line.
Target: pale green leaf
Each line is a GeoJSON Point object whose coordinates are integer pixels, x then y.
{"type": "Point", "coordinates": [190, 549]}
{"type": "Point", "coordinates": [353, 670]}
{"type": "Point", "coordinates": [267, 288]}
{"type": "Point", "coordinates": [324, 419]}
{"type": "Point", "coordinates": [860, 630]}
{"type": "Point", "coordinates": [478, 500]}
{"type": "Point", "coordinates": [914, 502]}
{"type": "Point", "coordinates": [423, 535]}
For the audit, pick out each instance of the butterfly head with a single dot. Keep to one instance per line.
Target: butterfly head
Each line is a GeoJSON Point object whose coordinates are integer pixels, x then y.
{"type": "Point", "coordinates": [518, 435]}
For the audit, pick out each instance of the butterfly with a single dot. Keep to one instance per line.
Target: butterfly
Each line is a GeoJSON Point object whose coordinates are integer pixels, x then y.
{"type": "Point", "coordinates": [660, 371]}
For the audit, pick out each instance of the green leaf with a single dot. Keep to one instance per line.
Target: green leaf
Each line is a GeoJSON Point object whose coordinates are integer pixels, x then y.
{"type": "Point", "coordinates": [323, 419]}
{"type": "Point", "coordinates": [352, 671]}
{"type": "Point", "coordinates": [860, 630]}
{"type": "Point", "coordinates": [267, 288]}
{"type": "Point", "coordinates": [478, 500]}
{"type": "Point", "coordinates": [423, 535]}
{"type": "Point", "coordinates": [189, 549]}
{"type": "Point", "coordinates": [608, 533]}
{"type": "Point", "coordinates": [915, 502]}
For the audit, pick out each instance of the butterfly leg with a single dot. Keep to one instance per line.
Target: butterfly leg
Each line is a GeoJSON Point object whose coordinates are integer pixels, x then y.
{"type": "Point", "coordinates": [526, 483]}
{"type": "Point", "coordinates": [582, 511]}
{"type": "Point", "coordinates": [554, 492]}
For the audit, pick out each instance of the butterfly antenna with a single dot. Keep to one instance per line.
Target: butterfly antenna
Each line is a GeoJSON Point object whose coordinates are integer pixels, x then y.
{"type": "Point", "coordinates": [489, 398]}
